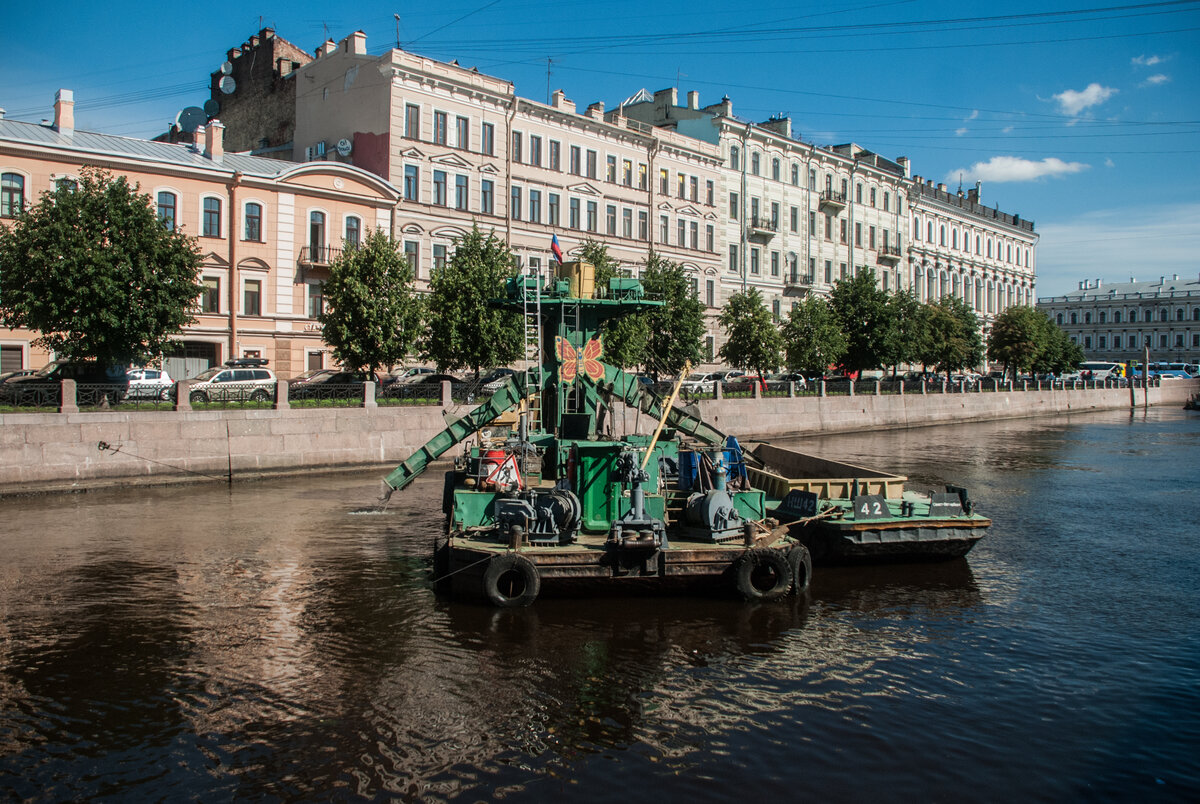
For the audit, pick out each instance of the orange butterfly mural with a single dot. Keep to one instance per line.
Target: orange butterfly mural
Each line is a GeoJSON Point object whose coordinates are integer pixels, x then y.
{"type": "Point", "coordinates": [575, 364]}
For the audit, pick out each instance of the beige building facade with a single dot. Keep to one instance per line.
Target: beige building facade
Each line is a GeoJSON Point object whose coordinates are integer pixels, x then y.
{"type": "Point", "coordinates": [266, 231]}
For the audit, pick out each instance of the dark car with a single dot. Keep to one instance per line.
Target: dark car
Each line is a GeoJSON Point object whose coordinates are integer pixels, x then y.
{"type": "Point", "coordinates": [94, 384]}
{"type": "Point", "coordinates": [330, 384]}
{"type": "Point", "coordinates": [421, 385]}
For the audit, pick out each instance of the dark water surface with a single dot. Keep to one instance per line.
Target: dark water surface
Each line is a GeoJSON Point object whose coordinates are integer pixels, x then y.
{"type": "Point", "coordinates": [267, 642]}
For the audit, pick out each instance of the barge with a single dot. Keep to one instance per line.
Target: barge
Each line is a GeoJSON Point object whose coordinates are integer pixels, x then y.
{"type": "Point", "coordinates": [544, 492]}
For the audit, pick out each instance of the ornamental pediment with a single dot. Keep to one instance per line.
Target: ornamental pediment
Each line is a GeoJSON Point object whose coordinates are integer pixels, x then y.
{"type": "Point", "coordinates": [453, 160]}
{"type": "Point", "coordinates": [414, 154]}
{"type": "Point", "coordinates": [583, 188]}
{"type": "Point", "coordinates": [490, 169]}
{"type": "Point", "coordinates": [214, 260]}
{"type": "Point", "coordinates": [412, 229]}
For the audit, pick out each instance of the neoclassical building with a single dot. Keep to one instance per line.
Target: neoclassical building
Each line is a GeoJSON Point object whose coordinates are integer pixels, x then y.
{"type": "Point", "coordinates": [267, 230]}
{"type": "Point", "coordinates": [1119, 321]}
{"type": "Point", "coordinates": [961, 248]}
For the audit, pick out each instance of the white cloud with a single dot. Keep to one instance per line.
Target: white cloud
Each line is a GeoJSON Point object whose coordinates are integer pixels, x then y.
{"type": "Point", "coordinates": [1014, 168]}
{"type": "Point", "coordinates": [1155, 80]}
{"type": "Point", "coordinates": [974, 114]}
{"type": "Point", "coordinates": [1006, 130]}
{"type": "Point", "coordinates": [960, 131]}
{"type": "Point", "coordinates": [1109, 163]}
{"type": "Point", "coordinates": [1072, 102]}
{"type": "Point", "coordinates": [1147, 61]}
{"type": "Point", "coordinates": [1114, 244]}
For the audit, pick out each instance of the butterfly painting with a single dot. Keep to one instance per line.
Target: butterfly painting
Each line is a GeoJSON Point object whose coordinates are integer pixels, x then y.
{"type": "Point", "coordinates": [574, 364]}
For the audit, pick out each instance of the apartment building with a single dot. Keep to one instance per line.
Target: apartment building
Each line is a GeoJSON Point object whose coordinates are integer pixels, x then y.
{"type": "Point", "coordinates": [960, 247]}
{"type": "Point", "coordinates": [267, 230]}
{"type": "Point", "coordinates": [796, 217]}
{"type": "Point", "coordinates": [1119, 321]}
{"type": "Point", "coordinates": [466, 150]}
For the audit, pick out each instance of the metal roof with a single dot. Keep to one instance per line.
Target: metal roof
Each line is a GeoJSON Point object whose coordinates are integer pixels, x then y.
{"type": "Point", "coordinates": [88, 142]}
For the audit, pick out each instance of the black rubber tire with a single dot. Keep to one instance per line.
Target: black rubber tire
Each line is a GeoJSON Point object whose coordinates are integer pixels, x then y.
{"type": "Point", "coordinates": [801, 563]}
{"type": "Point", "coordinates": [196, 397]}
{"type": "Point", "coordinates": [511, 581]}
{"type": "Point", "coordinates": [762, 574]}
{"type": "Point", "coordinates": [259, 396]}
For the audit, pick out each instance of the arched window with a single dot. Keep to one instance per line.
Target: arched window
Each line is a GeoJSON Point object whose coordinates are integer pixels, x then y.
{"type": "Point", "coordinates": [1074, 318]}
{"type": "Point", "coordinates": [953, 238]}
{"type": "Point", "coordinates": [353, 231]}
{"type": "Point", "coordinates": [1058, 319]}
{"type": "Point", "coordinates": [1149, 316]}
{"type": "Point", "coordinates": [916, 228]}
{"type": "Point", "coordinates": [1196, 313]}
{"type": "Point", "coordinates": [1087, 318]}
{"type": "Point", "coordinates": [979, 295]}
{"type": "Point", "coordinates": [1162, 314]}
{"type": "Point", "coordinates": [1103, 316]}
{"type": "Point", "coordinates": [12, 195]}
{"type": "Point", "coordinates": [775, 169]}
{"type": "Point", "coordinates": [734, 157]}
{"type": "Point", "coordinates": [795, 174]}
{"type": "Point", "coordinates": [942, 236]}
{"type": "Point", "coordinates": [167, 209]}
{"type": "Point", "coordinates": [316, 234]}
{"type": "Point", "coordinates": [254, 223]}
{"type": "Point", "coordinates": [1116, 316]}
{"type": "Point", "coordinates": [1179, 314]}
{"type": "Point", "coordinates": [754, 162]}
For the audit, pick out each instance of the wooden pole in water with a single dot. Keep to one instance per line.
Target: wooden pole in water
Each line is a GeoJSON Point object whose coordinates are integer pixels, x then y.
{"type": "Point", "coordinates": [1146, 374]}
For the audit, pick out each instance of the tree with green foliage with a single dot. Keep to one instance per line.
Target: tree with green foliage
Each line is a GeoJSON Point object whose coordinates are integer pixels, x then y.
{"type": "Point", "coordinates": [952, 340]}
{"type": "Point", "coordinates": [93, 269]}
{"type": "Point", "coordinates": [812, 337]}
{"type": "Point", "coordinates": [862, 309]}
{"type": "Point", "coordinates": [372, 313]}
{"type": "Point", "coordinates": [905, 330]}
{"type": "Point", "coordinates": [1018, 337]}
{"type": "Point", "coordinates": [606, 266]}
{"type": "Point", "coordinates": [464, 330]}
{"type": "Point", "coordinates": [752, 339]}
{"type": "Point", "coordinates": [676, 330]}
{"type": "Point", "coordinates": [1058, 353]}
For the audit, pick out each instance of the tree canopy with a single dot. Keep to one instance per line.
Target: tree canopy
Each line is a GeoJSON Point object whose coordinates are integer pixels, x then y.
{"type": "Point", "coordinates": [862, 310]}
{"type": "Point", "coordinates": [812, 337]}
{"type": "Point", "coordinates": [952, 341]}
{"type": "Point", "coordinates": [93, 269]}
{"type": "Point", "coordinates": [372, 316]}
{"type": "Point", "coordinates": [1017, 338]}
{"type": "Point", "coordinates": [906, 330]}
{"type": "Point", "coordinates": [752, 340]}
{"type": "Point", "coordinates": [465, 331]}
{"type": "Point", "coordinates": [676, 328]}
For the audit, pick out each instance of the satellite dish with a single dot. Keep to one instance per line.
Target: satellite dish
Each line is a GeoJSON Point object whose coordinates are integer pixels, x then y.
{"type": "Point", "coordinates": [227, 84]}
{"type": "Point", "coordinates": [190, 119]}
{"type": "Point", "coordinates": [344, 147]}
{"type": "Point", "coordinates": [227, 68]}
{"type": "Point", "coordinates": [211, 107]}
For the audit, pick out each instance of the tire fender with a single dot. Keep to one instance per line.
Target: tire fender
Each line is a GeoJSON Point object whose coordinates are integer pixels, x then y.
{"type": "Point", "coordinates": [511, 581]}
{"type": "Point", "coordinates": [801, 564]}
{"type": "Point", "coordinates": [762, 574]}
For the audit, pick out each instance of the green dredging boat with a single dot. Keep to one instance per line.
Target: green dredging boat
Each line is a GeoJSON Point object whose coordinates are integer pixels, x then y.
{"type": "Point", "coordinates": [545, 493]}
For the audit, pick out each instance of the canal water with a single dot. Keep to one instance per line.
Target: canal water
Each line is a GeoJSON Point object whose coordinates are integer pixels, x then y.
{"type": "Point", "coordinates": [271, 642]}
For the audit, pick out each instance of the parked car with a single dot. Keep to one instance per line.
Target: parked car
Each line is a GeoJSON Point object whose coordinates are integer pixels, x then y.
{"type": "Point", "coordinates": [94, 383]}
{"type": "Point", "coordinates": [743, 382]}
{"type": "Point", "coordinates": [699, 381]}
{"type": "Point", "coordinates": [405, 374]}
{"type": "Point", "coordinates": [491, 381]}
{"type": "Point", "coordinates": [780, 379]}
{"type": "Point", "coordinates": [425, 382]}
{"type": "Point", "coordinates": [230, 384]}
{"type": "Point", "coordinates": [18, 373]}
{"type": "Point", "coordinates": [330, 384]}
{"type": "Point", "coordinates": [968, 379]}
{"type": "Point", "coordinates": [149, 383]}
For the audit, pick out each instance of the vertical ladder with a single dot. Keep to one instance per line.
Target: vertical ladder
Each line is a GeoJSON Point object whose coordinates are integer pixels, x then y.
{"type": "Point", "coordinates": [532, 315]}
{"type": "Point", "coordinates": [570, 331]}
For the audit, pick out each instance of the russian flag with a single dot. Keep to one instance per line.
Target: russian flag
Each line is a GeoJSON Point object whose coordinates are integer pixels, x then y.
{"type": "Point", "coordinates": [556, 248]}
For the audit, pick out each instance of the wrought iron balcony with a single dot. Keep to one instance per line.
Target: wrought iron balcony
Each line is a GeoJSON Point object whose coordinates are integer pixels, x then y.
{"type": "Point", "coordinates": [762, 227]}
{"type": "Point", "coordinates": [832, 201]}
{"type": "Point", "coordinates": [318, 255]}
{"type": "Point", "coordinates": [796, 284]}
{"type": "Point", "coordinates": [889, 255]}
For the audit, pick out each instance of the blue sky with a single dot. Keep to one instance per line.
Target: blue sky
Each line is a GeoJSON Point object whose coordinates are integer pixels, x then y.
{"type": "Point", "coordinates": [1083, 116]}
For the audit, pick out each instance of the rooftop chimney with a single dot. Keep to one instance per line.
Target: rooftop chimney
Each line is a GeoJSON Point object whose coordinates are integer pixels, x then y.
{"type": "Point", "coordinates": [214, 140]}
{"type": "Point", "coordinates": [64, 112]}
{"type": "Point", "coordinates": [596, 110]}
{"type": "Point", "coordinates": [356, 43]}
{"type": "Point", "coordinates": [693, 100]}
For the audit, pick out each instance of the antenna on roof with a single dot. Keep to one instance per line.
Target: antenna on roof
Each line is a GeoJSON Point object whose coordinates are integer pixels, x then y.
{"type": "Point", "coordinates": [960, 182]}
{"type": "Point", "coordinates": [190, 119]}
{"type": "Point", "coordinates": [549, 62]}
{"type": "Point", "coordinates": [397, 16]}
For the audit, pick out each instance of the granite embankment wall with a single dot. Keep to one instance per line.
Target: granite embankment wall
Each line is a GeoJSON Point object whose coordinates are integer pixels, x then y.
{"type": "Point", "coordinates": [60, 451]}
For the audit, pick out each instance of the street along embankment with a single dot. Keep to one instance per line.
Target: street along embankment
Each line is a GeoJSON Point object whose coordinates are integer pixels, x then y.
{"type": "Point", "coordinates": [81, 450]}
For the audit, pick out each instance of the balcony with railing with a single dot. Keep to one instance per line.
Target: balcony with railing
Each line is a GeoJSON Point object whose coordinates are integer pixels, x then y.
{"type": "Point", "coordinates": [762, 227]}
{"type": "Point", "coordinates": [832, 201]}
{"type": "Point", "coordinates": [318, 256]}
{"type": "Point", "coordinates": [889, 255]}
{"type": "Point", "coordinates": [796, 283]}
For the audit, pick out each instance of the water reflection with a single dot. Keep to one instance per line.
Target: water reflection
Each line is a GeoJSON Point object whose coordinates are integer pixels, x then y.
{"type": "Point", "coordinates": [267, 642]}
